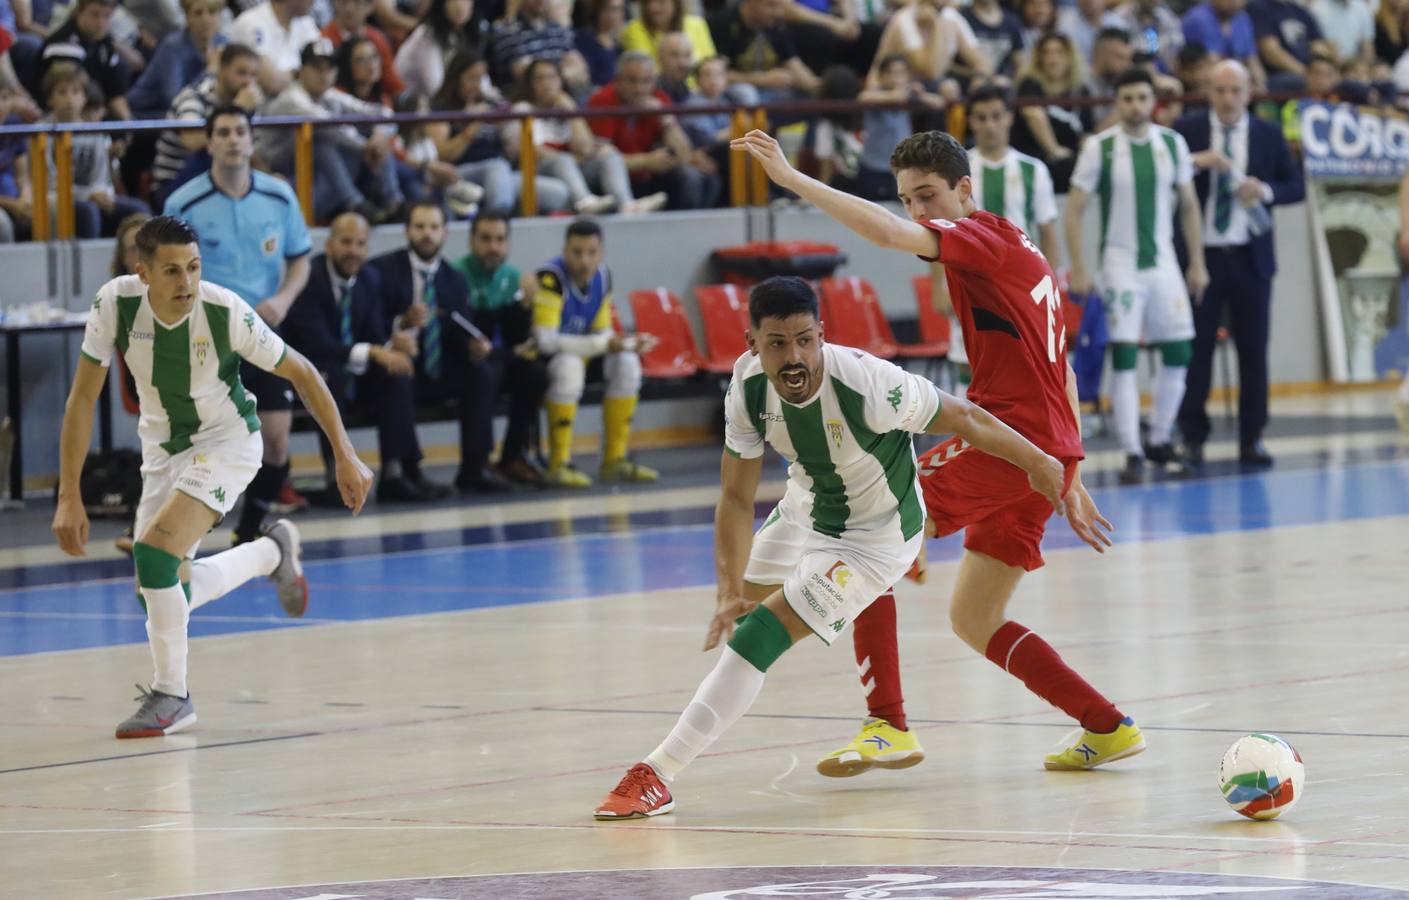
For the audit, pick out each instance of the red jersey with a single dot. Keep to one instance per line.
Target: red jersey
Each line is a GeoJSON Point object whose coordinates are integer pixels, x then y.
{"type": "Point", "coordinates": [1006, 299]}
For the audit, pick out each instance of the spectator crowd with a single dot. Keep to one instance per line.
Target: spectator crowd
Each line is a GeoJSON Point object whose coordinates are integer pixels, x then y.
{"type": "Point", "coordinates": [92, 60]}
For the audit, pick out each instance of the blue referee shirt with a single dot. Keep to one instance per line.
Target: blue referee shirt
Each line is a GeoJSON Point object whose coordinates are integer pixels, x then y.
{"type": "Point", "coordinates": [244, 241]}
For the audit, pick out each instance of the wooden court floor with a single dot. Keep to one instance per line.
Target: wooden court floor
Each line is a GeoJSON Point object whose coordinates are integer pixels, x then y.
{"type": "Point", "coordinates": [475, 742]}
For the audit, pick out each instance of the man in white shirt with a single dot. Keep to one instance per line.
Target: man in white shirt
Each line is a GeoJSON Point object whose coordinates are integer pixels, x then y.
{"type": "Point", "coordinates": [183, 340]}
{"type": "Point", "coordinates": [1138, 171]}
{"type": "Point", "coordinates": [277, 30]}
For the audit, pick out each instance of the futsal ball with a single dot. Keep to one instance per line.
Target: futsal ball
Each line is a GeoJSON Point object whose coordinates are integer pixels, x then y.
{"type": "Point", "coordinates": [1261, 776]}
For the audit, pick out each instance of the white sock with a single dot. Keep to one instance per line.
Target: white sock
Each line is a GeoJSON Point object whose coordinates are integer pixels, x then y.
{"type": "Point", "coordinates": [1125, 406]}
{"type": "Point", "coordinates": [166, 635]}
{"type": "Point", "coordinates": [1169, 393]}
{"type": "Point", "coordinates": [215, 576]}
{"type": "Point", "coordinates": [726, 694]}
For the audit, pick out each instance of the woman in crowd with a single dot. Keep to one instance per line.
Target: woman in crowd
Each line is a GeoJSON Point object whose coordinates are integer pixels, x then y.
{"type": "Point", "coordinates": [1053, 133]}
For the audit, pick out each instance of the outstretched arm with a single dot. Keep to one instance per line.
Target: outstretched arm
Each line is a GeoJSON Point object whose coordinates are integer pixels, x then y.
{"type": "Point", "coordinates": [70, 524]}
{"type": "Point", "coordinates": [872, 221]}
{"type": "Point", "coordinates": [733, 539]}
{"type": "Point", "coordinates": [354, 478]}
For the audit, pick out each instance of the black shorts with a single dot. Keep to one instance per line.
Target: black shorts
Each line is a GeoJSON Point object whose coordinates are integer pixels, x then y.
{"type": "Point", "coordinates": [271, 393]}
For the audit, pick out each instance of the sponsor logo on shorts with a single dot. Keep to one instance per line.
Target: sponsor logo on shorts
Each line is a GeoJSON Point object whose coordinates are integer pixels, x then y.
{"type": "Point", "coordinates": [193, 483]}
{"type": "Point", "coordinates": [826, 590]}
{"type": "Point", "coordinates": [839, 574]}
{"type": "Point", "coordinates": [218, 494]}
{"type": "Point", "coordinates": [812, 602]}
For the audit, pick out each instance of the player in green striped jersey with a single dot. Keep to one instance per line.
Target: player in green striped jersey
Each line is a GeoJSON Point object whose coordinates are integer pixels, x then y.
{"type": "Point", "coordinates": [1138, 171]}
{"type": "Point", "coordinates": [183, 340]}
{"type": "Point", "coordinates": [850, 522]}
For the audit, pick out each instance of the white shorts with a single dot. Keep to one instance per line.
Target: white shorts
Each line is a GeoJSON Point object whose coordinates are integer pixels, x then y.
{"type": "Point", "coordinates": [216, 474]}
{"type": "Point", "coordinates": [827, 581]}
{"type": "Point", "coordinates": [1150, 305]}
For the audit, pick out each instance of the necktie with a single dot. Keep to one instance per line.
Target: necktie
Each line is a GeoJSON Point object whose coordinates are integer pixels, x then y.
{"type": "Point", "coordinates": [345, 311]}
{"type": "Point", "coordinates": [1223, 198]}
{"type": "Point", "coordinates": [430, 335]}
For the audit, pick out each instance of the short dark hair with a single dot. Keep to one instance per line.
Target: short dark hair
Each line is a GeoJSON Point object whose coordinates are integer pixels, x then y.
{"type": "Point", "coordinates": [1134, 75]}
{"type": "Point", "coordinates": [228, 109]}
{"type": "Point", "coordinates": [233, 53]}
{"type": "Point", "coordinates": [160, 231]}
{"type": "Point", "coordinates": [780, 297]}
{"type": "Point", "coordinates": [987, 93]}
{"type": "Point", "coordinates": [932, 151]}
{"type": "Point", "coordinates": [1194, 52]}
{"type": "Point", "coordinates": [583, 228]}
{"type": "Point", "coordinates": [1111, 33]}
{"type": "Point", "coordinates": [84, 4]}
{"type": "Point", "coordinates": [490, 215]}
{"type": "Point", "coordinates": [1322, 58]}
{"type": "Point", "coordinates": [424, 204]}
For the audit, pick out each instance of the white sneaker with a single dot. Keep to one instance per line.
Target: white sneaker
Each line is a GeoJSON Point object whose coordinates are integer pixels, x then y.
{"type": "Point", "coordinates": [593, 204]}
{"type": "Point", "coordinates": [648, 204]}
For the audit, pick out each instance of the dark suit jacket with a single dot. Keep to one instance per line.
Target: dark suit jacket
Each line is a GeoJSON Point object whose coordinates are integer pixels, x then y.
{"type": "Point", "coordinates": [1270, 161]}
{"type": "Point", "coordinates": [397, 287]}
{"type": "Point", "coordinates": [313, 326]}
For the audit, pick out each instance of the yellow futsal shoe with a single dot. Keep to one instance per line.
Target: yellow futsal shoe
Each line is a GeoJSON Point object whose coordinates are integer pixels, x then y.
{"type": "Point", "coordinates": [879, 744]}
{"type": "Point", "coordinates": [566, 476]}
{"type": "Point", "coordinates": [1093, 749]}
{"type": "Point", "coordinates": [626, 469]}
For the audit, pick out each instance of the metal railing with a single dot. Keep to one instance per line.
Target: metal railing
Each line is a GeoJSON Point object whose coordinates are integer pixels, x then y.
{"type": "Point", "coordinates": [748, 184]}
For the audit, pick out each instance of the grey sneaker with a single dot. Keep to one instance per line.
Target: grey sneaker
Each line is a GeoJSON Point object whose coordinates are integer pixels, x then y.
{"type": "Point", "coordinates": [159, 714]}
{"type": "Point", "coordinates": [288, 575]}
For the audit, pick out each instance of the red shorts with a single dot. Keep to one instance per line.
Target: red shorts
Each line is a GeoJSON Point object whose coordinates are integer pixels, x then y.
{"type": "Point", "coordinates": [1003, 516]}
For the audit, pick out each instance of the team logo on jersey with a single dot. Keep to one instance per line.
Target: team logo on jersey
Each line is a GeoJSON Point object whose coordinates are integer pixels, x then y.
{"type": "Point", "coordinates": [249, 321]}
{"type": "Point", "coordinates": [200, 459]}
{"type": "Point", "coordinates": [834, 430]}
{"type": "Point", "coordinates": [839, 574]}
{"type": "Point", "coordinates": [893, 398]}
{"type": "Point", "coordinates": [218, 494]}
{"type": "Point", "coordinates": [97, 301]}
{"type": "Point", "coordinates": [202, 348]}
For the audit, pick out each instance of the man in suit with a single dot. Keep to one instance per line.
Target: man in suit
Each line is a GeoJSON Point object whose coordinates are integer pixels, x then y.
{"type": "Point", "coordinates": [423, 294]}
{"type": "Point", "coordinates": [1245, 168]}
{"type": "Point", "coordinates": [337, 322]}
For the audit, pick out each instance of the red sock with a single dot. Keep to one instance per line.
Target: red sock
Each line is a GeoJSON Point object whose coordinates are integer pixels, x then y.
{"type": "Point", "coordinates": [878, 660]}
{"type": "Point", "coordinates": [1024, 655]}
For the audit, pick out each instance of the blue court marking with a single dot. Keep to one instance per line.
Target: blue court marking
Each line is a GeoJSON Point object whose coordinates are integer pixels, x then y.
{"type": "Point", "coordinates": [607, 560]}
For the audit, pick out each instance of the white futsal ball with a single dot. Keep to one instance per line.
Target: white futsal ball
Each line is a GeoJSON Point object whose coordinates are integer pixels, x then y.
{"type": "Point", "coordinates": [1261, 776]}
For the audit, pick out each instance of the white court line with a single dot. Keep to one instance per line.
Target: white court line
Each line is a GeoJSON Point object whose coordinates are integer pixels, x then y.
{"type": "Point", "coordinates": [1299, 843]}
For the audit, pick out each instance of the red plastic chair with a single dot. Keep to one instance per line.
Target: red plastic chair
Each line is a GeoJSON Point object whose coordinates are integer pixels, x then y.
{"type": "Point", "coordinates": [660, 313]}
{"type": "Point", "coordinates": [724, 312]}
{"type": "Point", "coordinates": [853, 316]}
{"type": "Point", "coordinates": [934, 325]}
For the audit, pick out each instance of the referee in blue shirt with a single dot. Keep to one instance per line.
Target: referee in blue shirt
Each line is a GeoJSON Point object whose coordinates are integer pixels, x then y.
{"type": "Point", "coordinates": [254, 242]}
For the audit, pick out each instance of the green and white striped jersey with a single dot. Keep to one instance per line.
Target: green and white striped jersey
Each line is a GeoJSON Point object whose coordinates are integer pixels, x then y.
{"type": "Point", "coordinates": [1135, 183]}
{"type": "Point", "coordinates": [187, 374]}
{"type": "Point", "coordinates": [852, 471]}
{"type": "Point", "coordinates": [1018, 187]}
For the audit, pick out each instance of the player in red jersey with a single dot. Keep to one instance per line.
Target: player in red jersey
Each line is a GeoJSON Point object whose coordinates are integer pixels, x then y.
{"type": "Point", "coordinates": [1005, 295]}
